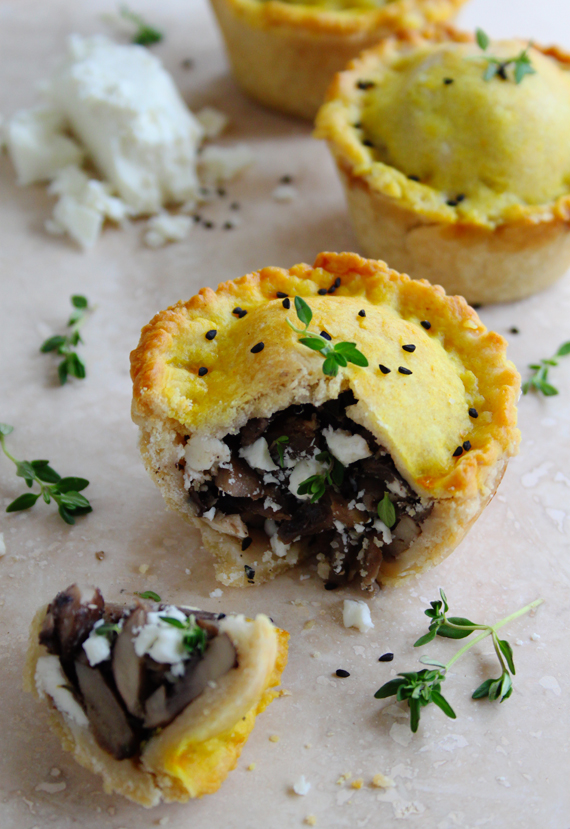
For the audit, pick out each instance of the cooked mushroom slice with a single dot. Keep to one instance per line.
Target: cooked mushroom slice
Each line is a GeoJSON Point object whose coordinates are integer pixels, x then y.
{"type": "Point", "coordinates": [406, 531]}
{"type": "Point", "coordinates": [165, 704]}
{"type": "Point", "coordinates": [107, 718]}
{"type": "Point", "coordinates": [239, 480]}
{"type": "Point", "coordinates": [128, 668]}
{"type": "Point", "coordinates": [70, 619]}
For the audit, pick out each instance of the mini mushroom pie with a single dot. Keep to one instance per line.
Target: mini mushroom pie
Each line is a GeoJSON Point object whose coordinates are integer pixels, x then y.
{"type": "Point", "coordinates": [158, 700]}
{"type": "Point", "coordinates": [284, 53]}
{"type": "Point", "coordinates": [456, 160]}
{"type": "Point", "coordinates": [342, 412]}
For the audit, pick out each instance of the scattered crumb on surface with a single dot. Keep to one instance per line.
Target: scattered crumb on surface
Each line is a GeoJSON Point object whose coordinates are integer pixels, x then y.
{"type": "Point", "coordinates": [344, 777]}
{"type": "Point", "coordinates": [311, 820]}
{"type": "Point", "coordinates": [144, 568]}
{"type": "Point", "coordinates": [284, 192]}
{"type": "Point", "coordinates": [51, 788]}
{"type": "Point", "coordinates": [316, 655]}
{"type": "Point", "coordinates": [308, 745]}
{"type": "Point", "coordinates": [251, 767]}
{"type": "Point", "coordinates": [100, 555]}
{"type": "Point", "coordinates": [2, 545]}
{"type": "Point", "coordinates": [217, 593]}
{"type": "Point", "coordinates": [308, 625]}
{"type": "Point", "coordinates": [274, 738]}
{"type": "Point", "coordinates": [55, 772]}
{"type": "Point", "coordinates": [356, 614]}
{"type": "Point", "coordinates": [535, 637]}
{"type": "Point", "coordinates": [301, 786]}
{"type": "Point", "coordinates": [358, 783]}
{"type": "Point", "coordinates": [380, 781]}
{"type": "Point", "coordinates": [213, 121]}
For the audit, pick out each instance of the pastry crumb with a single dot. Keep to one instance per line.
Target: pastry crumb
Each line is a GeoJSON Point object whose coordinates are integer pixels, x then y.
{"type": "Point", "coordinates": [380, 781]}
{"type": "Point", "coordinates": [308, 745]}
{"type": "Point", "coordinates": [143, 569]}
{"type": "Point", "coordinates": [343, 778]}
{"type": "Point", "coordinates": [251, 767]}
{"type": "Point", "coordinates": [216, 594]}
{"type": "Point", "coordinates": [301, 786]}
{"type": "Point", "coordinates": [358, 783]}
{"type": "Point", "coordinates": [274, 738]}
{"type": "Point", "coordinates": [311, 820]}
{"type": "Point", "coordinates": [308, 625]}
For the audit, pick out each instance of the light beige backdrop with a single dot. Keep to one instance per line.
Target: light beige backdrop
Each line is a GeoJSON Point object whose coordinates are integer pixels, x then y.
{"type": "Point", "coordinates": [499, 766]}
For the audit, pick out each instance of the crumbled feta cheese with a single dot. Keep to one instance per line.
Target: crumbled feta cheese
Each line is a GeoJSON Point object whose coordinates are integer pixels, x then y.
{"type": "Point", "coordinates": [220, 164]}
{"type": "Point", "coordinates": [270, 504]}
{"type": "Point", "coordinates": [303, 470]}
{"type": "Point", "coordinates": [81, 222]}
{"type": "Point", "coordinates": [210, 514]}
{"type": "Point", "coordinates": [346, 448]}
{"type": "Point", "coordinates": [37, 145]}
{"type": "Point", "coordinates": [97, 647]}
{"type": "Point", "coordinates": [270, 527]}
{"type": "Point", "coordinates": [397, 488]}
{"type": "Point", "coordinates": [284, 192]}
{"type": "Point", "coordinates": [302, 786]}
{"type": "Point", "coordinates": [356, 614]}
{"type": "Point", "coordinates": [279, 548]}
{"type": "Point", "coordinates": [381, 527]}
{"type": "Point", "coordinates": [162, 641]}
{"type": "Point", "coordinates": [203, 453]}
{"type": "Point", "coordinates": [2, 545]}
{"type": "Point", "coordinates": [165, 228]}
{"type": "Point", "coordinates": [51, 681]}
{"type": "Point", "coordinates": [213, 121]}
{"type": "Point", "coordinates": [257, 455]}
{"type": "Point", "coordinates": [216, 594]}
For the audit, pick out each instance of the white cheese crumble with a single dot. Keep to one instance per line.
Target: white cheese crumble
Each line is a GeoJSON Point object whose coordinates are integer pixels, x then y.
{"type": "Point", "coordinates": [216, 594]}
{"type": "Point", "coordinates": [164, 228]}
{"type": "Point", "coordinates": [269, 503]}
{"type": "Point", "coordinates": [284, 193]}
{"type": "Point", "coordinates": [346, 448]}
{"type": "Point", "coordinates": [279, 548]}
{"type": "Point", "coordinates": [270, 527]}
{"type": "Point", "coordinates": [97, 647]}
{"type": "Point", "coordinates": [51, 681]}
{"type": "Point", "coordinates": [162, 641]}
{"type": "Point", "coordinates": [203, 453]}
{"type": "Point", "coordinates": [257, 455]}
{"type": "Point", "coordinates": [397, 488]}
{"type": "Point", "coordinates": [220, 164]}
{"type": "Point", "coordinates": [356, 614]}
{"type": "Point", "coordinates": [213, 121]}
{"type": "Point", "coordinates": [210, 514]}
{"type": "Point", "coordinates": [303, 470]}
{"type": "Point", "coordinates": [2, 545]}
{"type": "Point", "coordinates": [38, 146]}
{"type": "Point", "coordinates": [381, 527]}
{"type": "Point", "coordinates": [302, 786]}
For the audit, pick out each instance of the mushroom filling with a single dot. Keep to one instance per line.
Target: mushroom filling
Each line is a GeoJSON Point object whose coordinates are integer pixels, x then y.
{"type": "Point", "coordinates": [133, 670]}
{"type": "Point", "coordinates": [312, 474]}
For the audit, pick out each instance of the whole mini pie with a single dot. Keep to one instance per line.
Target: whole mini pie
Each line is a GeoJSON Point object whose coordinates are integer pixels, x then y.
{"type": "Point", "coordinates": [284, 53]}
{"type": "Point", "coordinates": [159, 700]}
{"type": "Point", "coordinates": [342, 412]}
{"type": "Point", "coordinates": [456, 167]}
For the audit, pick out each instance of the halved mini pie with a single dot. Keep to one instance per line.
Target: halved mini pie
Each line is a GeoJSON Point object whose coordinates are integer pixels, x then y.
{"type": "Point", "coordinates": [284, 53]}
{"type": "Point", "coordinates": [159, 700]}
{"type": "Point", "coordinates": [370, 441]}
{"type": "Point", "coordinates": [456, 161]}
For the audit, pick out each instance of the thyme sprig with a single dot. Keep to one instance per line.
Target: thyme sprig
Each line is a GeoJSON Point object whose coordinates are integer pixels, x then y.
{"type": "Point", "coordinates": [64, 491]}
{"type": "Point", "coordinates": [64, 344]}
{"type": "Point", "coordinates": [419, 688]}
{"type": "Point", "coordinates": [498, 67]}
{"type": "Point", "coordinates": [335, 356]}
{"type": "Point", "coordinates": [316, 485]}
{"type": "Point", "coordinates": [195, 637]}
{"type": "Point", "coordinates": [279, 446]}
{"type": "Point", "coordinates": [144, 35]}
{"type": "Point", "coordinates": [539, 380]}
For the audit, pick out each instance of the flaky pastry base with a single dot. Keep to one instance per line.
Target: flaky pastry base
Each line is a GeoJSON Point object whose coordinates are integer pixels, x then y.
{"type": "Point", "coordinates": [484, 261]}
{"type": "Point", "coordinates": [193, 755]}
{"type": "Point", "coordinates": [457, 364]}
{"type": "Point", "coordinates": [285, 55]}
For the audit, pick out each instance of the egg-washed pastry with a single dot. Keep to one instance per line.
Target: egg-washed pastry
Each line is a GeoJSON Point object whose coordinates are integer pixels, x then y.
{"type": "Point", "coordinates": [158, 700]}
{"type": "Point", "coordinates": [375, 468]}
{"type": "Point", "coordinates": [284, 53]}
{"type": "Point", "coordinates": [456, 162]}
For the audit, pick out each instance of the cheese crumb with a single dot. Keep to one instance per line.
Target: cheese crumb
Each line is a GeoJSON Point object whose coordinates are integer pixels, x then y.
{"type": "Point", "coordinates": [213, 121]}
{"type": "Point", "coordinates": [357, 614]}
{"type": "Point", "coordinates": [97, 647]}
{"type": "Point", "coordinates": [346, 448]}
{"type": "Point", "coordinates": [257, 455]}
{"type": "Point", "coordinates": [380, 781]}
{"type": "Point", "coordinates": [274, 738]}
{"type": "Point", "coordinates": [165, 228]}
{"type": "Point", "coordinates": [220, 164]}
{"type": "Point", "coordinates": [285, 193]}
{"type": "Point", "coordinates": [216, 594]}
{"type": "Point", "coordinates": [302, 786]}
{"type": "Point", "coordinates": [51, 681]}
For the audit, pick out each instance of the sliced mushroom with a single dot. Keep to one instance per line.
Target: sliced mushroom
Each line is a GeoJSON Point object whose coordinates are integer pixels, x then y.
{"type": "Point", "coordinates": [107, 718]}
{"type": "Point", "coordinates": [128, 668]}
{"type": "Point", "coordinates": [342, 512]}
{"type": "Point", "coordinates": [307, 520]}
{"type": "Point", "coordinates": [253, 430]}
{"type": "Point", "coordinates": [239, 480]}
{"type": "Point", "coordinates": [70, 619]}
{"type": "Point", "coordinates": [406, 531]}
{"type": "Point", "coordinates": [167, 702]}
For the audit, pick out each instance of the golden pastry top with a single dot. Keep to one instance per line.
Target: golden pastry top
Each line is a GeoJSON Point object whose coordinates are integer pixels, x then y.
{"type": "Point", "coordinates": [417, 118]}
{"type": "Point", "coordinates": [346, 17]}
{"type": "Point", "coordinates": [420, 417]}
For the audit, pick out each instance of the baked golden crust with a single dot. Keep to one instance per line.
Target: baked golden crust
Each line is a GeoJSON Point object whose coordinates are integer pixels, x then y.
{"type": "Point", "coordinates": [510, 251]}
{"type": "Point", "coordinates": [457, 365]}
{"type": "Point", "coordinates": [285, 55]}
{"type": "Point", "coordinates": [193, 755]}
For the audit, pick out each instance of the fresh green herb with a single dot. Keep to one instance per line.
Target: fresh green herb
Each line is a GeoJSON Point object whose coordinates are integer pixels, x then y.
{"type": "Point", "coordinates": [64, 491]}
{"type": "Point", "coordinates": [316, 485]}
{"type": "Point", "coordinates": [387, 511]}
{"type": "Point", "coordinates": [497, 67]}
{"type": "Point", "coordinates": [107, 629]}
{"type": "Point", "coordinates": [148, 594]}
{"type": "Point", "coordinates": [335, 356]}
{"type": "Point", "coordinates": [195, 638]}
{"type": "Point", "coordinates": [144, 35]}
{"type": "Point", "coordinates": [422, 687]}
{"type": "Point", "coordinates": [539, 380]}
{"type": "Point", "coordinates": [64, 344]}
{"type": "Point", "coordinates": [281, 448]}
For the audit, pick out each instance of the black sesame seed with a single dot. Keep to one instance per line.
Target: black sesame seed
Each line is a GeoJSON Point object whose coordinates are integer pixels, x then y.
{"type": "Point", "coordinates": [367, 142]}
{"type": "Point", "coordinates": [234, 205]}
{"type": "Point", "coordinates": [249, 572]}
{"type": "Point", "coordinates": [357, 126]}
{"type": "Point", "coordinates": [202, 371]}
{"type": "Point", "coordinates": [384, 369]}
{"type": "Point", "coordinates": [208, 225]}
{"type": "Point", "coordinates": [281, 295]}
{"type": "Point", "coordinates": [228, 226]}
{"type": "Point", "coordinates": [403, 370]}
{"type": "Point", "coordinates": [451, 202]}
{"type": "Point", "coordinates": [237, 310]}
{"type": "Point", "coordinates": [362, 313]}
{"type": "Point", "coordinates": [197, 218]}
{"type": "Point", "coordinates": [211, 334]}
{"type": "Point", "coordinates": [322, 292]}
{"type": "Point", "coordinates": [342, 673]}
{"type": "Point", "coordinates": [242, 314]}
{"type": "Point", "coordinates": [460, 198]}
{"type": "Point", "coordinates": [221, 192]}
{"type": "Point", "coordinates": [336, 283]}
{"type": "Point", "coordinates": [286, 179]}
{"type": "Point", "coordinates": [386, 657]}
{"type": "Point", "coordinates": [473, 412]}
{"type": "Point", "coordinates": [246, 543]}
{"type": "Point", "coordinates": [286, 303]}
{"type": "Point", "coordinates": [326, 336]}
{"type": "Point", "coordinates": [447, 81]}
{"type": "Point", "coordinates": [425, 324]}
{"type": "Point", "coordinates": [411, 348]}
{"type": "Point", "coordinates": [514, 330]}
{"type": "Point", "coordinates": [365, 84]}
{"type": "Point", "coordinates": [331, 585]}
{"type": "Point", "coordinates": [257, 348]}
{"type": "Point", "coordinates": [414, 178]}
{"type": "Point", "coordinates": [467, 445]}
{"type": "Point", "coordinates": [476, 305]}
{"type": "Point", "coordinates": [458, 452]}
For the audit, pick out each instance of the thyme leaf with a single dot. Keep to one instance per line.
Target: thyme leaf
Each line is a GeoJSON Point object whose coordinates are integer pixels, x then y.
{"type": "Point", "coordinates": [387, 511]}
{"type": "Point", "coordinates": [149, 594]}
{"type": "Point", "coordinates": [316, 485]}
{"type": "Point", "coordinates": [64, 344]}
{"type": "Point", "coordinates": [539, 380]}
{"type": "Point", "coordinates": [144, 35]}
{"type": "Point", "coordinates": [279, 446]}
{"type": "Point", "coordinates": [497, 67]}
{"type": "Point", "coordinates": [195, 637]}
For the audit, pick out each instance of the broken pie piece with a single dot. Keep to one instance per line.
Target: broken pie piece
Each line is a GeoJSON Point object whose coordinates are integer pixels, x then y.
{"type": "Point", "coordinates": [376, 472]}
{"type": "Point", "coordinates": [157, 699]}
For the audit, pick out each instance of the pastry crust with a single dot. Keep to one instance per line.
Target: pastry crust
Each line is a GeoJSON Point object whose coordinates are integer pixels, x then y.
{"type": "Point", "coordinates": [486, 258]}
{"type": "Point", "coordinates": [194, 754]}
{"type": "Point", "coordinates": [285, 55]}
{"type": "Point", "coordinates": [419, 419]}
